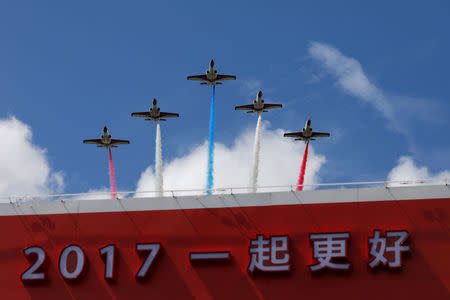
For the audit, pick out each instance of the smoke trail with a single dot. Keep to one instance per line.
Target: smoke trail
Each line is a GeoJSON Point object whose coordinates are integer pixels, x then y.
{"type": "Point", "coordinates": [112, 176]}
{"type": "Point", "coordinates": [158, 161]}
{"type": "Point", "coordinates": [301, 177]}
{"type": "Point", "coordinates": [210, 178]}
{"type": "Point", "coordinates": [256, 151]}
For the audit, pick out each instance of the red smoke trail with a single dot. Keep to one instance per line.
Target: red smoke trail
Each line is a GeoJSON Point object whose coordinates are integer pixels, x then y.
{"type": "Point", "coordinates": [301, 177]}
{"type": "Point", "coordinates": [112, 176]}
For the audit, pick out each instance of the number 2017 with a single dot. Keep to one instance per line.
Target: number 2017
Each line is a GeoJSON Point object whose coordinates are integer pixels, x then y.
{"type": "Point", "coordinates": [35, 272]}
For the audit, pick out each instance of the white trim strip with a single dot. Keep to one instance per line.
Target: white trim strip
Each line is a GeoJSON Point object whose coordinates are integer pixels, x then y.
{"type": "Point", "coordinates": [221, 191]}
{"type": "Point", "coordinates": [233, 200]}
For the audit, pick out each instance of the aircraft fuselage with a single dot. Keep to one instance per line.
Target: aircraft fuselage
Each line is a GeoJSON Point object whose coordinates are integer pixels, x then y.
{"type": "Point", "coordinates": [155, 111]}
{"type": "Point", "coordinates": [258, 103]}
{"type": "Point", "coordinates": [211, 74]}
{"type": "Point", "coordinates": [307, 130]}
{"type": "Point", "coordinates": [106, 138]}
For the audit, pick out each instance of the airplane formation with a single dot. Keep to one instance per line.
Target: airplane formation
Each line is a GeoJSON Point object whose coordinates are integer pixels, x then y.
{"type": "Point", "coordinates": [210, 78]}
{"type": "Point", "coordinates": [105, 140]}
{"type": "Point", "coordinates": [155, 114]}
{"type": "Point", "coordinates": [258, 105]}
{"type": "Point", "coordinates": [307, 134]}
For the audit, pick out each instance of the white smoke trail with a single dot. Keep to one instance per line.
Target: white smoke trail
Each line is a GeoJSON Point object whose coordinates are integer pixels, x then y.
{"type": "Point", "coordinates": [158, 162]}
{"type": "Point", "coordinates": [256, 150]}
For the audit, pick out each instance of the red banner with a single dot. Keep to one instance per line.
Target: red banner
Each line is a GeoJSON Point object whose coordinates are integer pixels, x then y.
{"type": "Point", "coordinates": [206, 253]}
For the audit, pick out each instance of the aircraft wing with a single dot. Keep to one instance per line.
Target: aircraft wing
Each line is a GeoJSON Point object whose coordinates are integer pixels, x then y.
{"type": "Point", "coordinates": [168, 115]}
{"type": "Point", "coordinates": [270, 106]}
{"type": "Point", "coordinates": [294, 134]}
{"type": "Point", "coordinates": [245, 107]}
{"type": "Point", "coordinates": [94, 141]}
{"type": "Point", "coordinates": [320, 134]}
{"type": "Point", "coordinates": [197, 78]}
{"type": "Point", "coordinates": [119, 142]}
{"type": "Point", "coordinates": [225, 77]}
{"type": "Point", "coordinates": [144, 114]}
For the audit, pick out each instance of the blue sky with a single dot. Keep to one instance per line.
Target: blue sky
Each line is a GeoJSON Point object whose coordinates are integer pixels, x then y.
{"type": "Point", "coordinates": [68, 69]}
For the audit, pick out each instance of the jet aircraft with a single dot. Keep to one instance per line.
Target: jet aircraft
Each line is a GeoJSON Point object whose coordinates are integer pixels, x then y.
{"type": "Point", "coordinates": [258, 105]}
{"type": "Point", "coordinates": [307, 134]}
{"type": "Point", "coordinates": [155, 114]}
{"type": "Point", "coordinates": [211, 77]}
{"type": "Point", "coordinates": [106, 141]}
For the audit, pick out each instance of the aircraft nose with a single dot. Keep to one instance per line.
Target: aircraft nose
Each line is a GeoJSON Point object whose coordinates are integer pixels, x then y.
{"type": "Point", "coordinates": [105, 129]}
{"type": "Point", "coordinates": [212, 63]}
{"type": "Point", "coordinates": [260, 94]}
{"type": "Point", "coordinates": [309, 122]}
{"type": "Point", "coordinates": [154, 101]}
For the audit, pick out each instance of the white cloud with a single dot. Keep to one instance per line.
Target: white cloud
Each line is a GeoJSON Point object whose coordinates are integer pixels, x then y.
{"type": "Point", "coordinates": [407, 170]}
{"type": "Point", "coordinates": [24, 168]}
{"type": "Point", "coordinates": [404, 114]}
{"type": "Point", "coordinates": [351, 77]}
{"type": "Point", "coordinates": [279, 164]}
{"type": "Point", "coordinates": [250, 87]}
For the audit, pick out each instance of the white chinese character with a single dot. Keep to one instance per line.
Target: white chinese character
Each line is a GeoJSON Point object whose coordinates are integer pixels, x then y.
{"type": "Point", "coordinates": [269, 255]}
{"type": "Point", "coordinates": [379, 248]}
{"type": "Point", "coordinates": [328, 246]}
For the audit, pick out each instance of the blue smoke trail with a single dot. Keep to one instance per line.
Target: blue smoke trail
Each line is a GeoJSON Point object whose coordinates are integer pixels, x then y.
{"type": "Point", "coordinates": [212, 121]}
